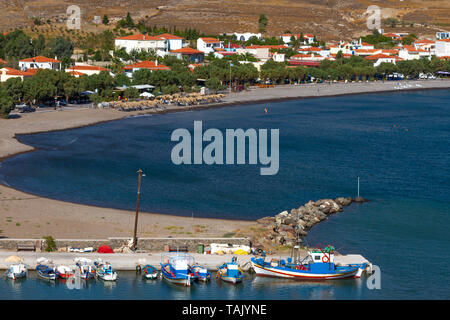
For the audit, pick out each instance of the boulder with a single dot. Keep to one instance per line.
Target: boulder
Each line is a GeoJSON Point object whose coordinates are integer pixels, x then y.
{"type": "Point", "coordinates": [266, 220]}
{"type": "Point", "coordinates": [343, 201]}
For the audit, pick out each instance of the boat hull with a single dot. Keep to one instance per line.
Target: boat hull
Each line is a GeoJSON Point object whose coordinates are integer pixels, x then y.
{"type": "Point", "coordinates": [232, 280]}
{"type": "Point", "coordinates": [15, 276]}
{"type": "Point", "coordinates": [187, 282]}
{"type": "Point", "coordinates": [47, 276]}
{"type": "Point", "coordinates": [107, 277]}
{"type": "Point", "coordinates": [300, 274]}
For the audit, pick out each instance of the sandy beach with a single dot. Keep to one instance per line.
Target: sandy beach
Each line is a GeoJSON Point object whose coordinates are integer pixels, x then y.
{"type": "Point", "coordinates": [28, 216]}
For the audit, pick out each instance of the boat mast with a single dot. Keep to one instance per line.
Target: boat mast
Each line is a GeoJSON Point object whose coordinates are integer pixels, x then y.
{"type": "Point", "coordinates": [137, 208]}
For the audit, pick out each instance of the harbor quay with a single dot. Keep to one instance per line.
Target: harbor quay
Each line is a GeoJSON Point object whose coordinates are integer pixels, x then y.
{"type": "Point", "coordinates": [129, 261]}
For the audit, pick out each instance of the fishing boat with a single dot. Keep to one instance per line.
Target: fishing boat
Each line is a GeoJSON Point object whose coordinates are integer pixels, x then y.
{"type": "Point", "coordinates": [64, 272]}
{"type": "Point", "coordinates": [85, 271]}
{"type": "Point", "coordinates": [150, 272]}
{"type": "Point", "coordinates": [16, 271]}
{"type": "Point", "coordinates": [45, 272]}
{"type": "Point", "coordinates": [175, 268]}
{"type": "Point", "coordinates": [104, 271]}
{"type": "Point", "coordinates": [201, 273]}
{"type": "Point", "coordinates": [230, 272]}
{"type": "Point", "coordinates": [318, 265]}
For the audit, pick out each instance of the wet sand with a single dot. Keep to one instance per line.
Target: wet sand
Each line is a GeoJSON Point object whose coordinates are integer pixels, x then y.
{"type": "Point", "coordinates": [27, 216]}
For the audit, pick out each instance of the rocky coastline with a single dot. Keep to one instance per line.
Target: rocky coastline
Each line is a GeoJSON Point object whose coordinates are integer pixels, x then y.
{"type": "Point", "coordinates": [288, 228]}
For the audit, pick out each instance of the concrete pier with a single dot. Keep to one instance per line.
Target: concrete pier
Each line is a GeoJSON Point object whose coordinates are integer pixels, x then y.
{"type": "Point", "coordinates": [129, 261]}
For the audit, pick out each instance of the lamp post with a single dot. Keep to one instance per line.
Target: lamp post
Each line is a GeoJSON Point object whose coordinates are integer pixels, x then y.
{"type": "Point", "coordinates": [137, 207]}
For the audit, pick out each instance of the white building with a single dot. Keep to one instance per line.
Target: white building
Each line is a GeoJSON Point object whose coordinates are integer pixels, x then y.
{"type": "Point", "coordinates": [378, 59]}
{"type": "Point", "coordinates": [8, 73]}
{"type": "Point", "coordinates": [208, 45]}
{"type": "Point", "coordinates": [161, 44]}
{"type": "Point", "coordinates": [307, 38]}
{"type": "Point", "coordinates": [443, 48]}
{"type": "Point", "coordinates": [411, 53]}
{"type": "Point", "coordinates": [85, 69]}
{"type": "Point", "coordinates": [39, 62]}
{"type": "Point", "coordinates": [442, 35]}
{"type": "Point", "coordinates": [246, 36]}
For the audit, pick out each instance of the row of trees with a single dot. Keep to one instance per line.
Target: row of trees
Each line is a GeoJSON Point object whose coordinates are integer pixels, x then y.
{"type": "Point", "coordinates": [48, 84]}
{"type": "Point", "coordinates": [17, 45]}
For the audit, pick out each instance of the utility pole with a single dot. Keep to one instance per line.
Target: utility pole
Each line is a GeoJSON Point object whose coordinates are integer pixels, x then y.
{"type": "Point", "coordinates": [358, 187]}
{"type": "Point", "coordinates": [137, 208]}
{"type": "Point", "coordinates": [230, 76]}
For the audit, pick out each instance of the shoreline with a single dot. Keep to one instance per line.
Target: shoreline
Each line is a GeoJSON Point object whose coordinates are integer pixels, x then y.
{"type": "Point", "coordinates": [71, 217]}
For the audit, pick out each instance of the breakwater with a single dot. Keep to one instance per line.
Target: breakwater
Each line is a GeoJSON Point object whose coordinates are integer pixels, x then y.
{"type": "Point", "coordinates": [288, 228]}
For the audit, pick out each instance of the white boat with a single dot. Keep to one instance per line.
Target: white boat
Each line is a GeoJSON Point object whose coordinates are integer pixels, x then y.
{"type": "Point", "coordinates": [104, 271]}
{"type": "Point", "coordinates": [175, 268]}
{"type": "Point", "coordinates": [64, 272]}
{"type": "Point", "coordinates": [15, 271]}
{"type": "Point", "coordinates": [318, 265]}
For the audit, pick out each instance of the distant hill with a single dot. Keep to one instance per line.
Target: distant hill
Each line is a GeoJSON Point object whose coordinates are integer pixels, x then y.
{"type": "Point", "coordinates": [329, 19]}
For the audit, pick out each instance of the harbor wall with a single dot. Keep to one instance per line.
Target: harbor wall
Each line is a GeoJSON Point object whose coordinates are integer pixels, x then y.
{"type": "Point", "coordinates": [145, 244]}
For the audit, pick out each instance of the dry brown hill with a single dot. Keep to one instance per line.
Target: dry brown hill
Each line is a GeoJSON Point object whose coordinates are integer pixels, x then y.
{"type": "Point", "coordinates": [329, 19]}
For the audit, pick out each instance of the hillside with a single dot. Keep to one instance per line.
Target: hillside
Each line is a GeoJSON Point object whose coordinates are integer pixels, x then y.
{"type": "Point", "coordinates": [329, 19]}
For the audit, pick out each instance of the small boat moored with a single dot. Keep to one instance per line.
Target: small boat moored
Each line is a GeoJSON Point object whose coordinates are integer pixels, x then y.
{"type": "Point", "coordinates": [150, 272]}
{"type": "Point", "coordinates": [175, 268]}
{"type": "Point", "coordinates": [230, 272]}
{"type": "Point", "coordinates": [318, 265]}
{"type": "Point", "coordinates": [45, 272]}
{"type": "Point", "coordinates": [64, 272]}
{"type": "Point", "coordinates": [104, 271]}
{"type": "Point", "coordinates": [201, 273]}
{"type": "Point", "coordinates": [16, 271]}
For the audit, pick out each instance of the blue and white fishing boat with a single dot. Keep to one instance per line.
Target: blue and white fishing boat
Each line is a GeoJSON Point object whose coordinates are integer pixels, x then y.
{"type": "Point", "coordinates": [150, 272]}
{"type": "Point", "coordinates": [45, 272]}
{"type": "Point", "coordinates": [104, 271]}
{"type": "Point", "coordinates": [318, 265]}
{"type": "Point", "coordinates": [16, 271]}
{"type": "Point", "coordinates": [175, 268]}
{"type": "Point", "coordinates": [230, 272]}
{"type": "Point", "coordinates": [201, 273]}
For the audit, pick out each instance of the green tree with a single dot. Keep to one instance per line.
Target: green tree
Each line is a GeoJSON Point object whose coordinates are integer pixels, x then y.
{"type": "Point", "coordinates": [6, 103]}
{"type": "Point", "coordinates": [214, 84]}
{"type": "Point", "coordinates": [105, 20]}
{"type": "Point", "coordinates": [262, 22]}
{"type": "Point", "coordinates": [131, 93]}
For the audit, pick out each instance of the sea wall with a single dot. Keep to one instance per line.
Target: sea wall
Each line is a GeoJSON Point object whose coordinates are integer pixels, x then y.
{"type": "Point", "coordinates": [288, 228]}
{"type": "Point", "coordinates": [146, 244]}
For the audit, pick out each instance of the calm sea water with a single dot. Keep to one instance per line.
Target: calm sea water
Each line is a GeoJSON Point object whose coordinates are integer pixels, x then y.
{"type": "Point", "coordinates": [398, 143]}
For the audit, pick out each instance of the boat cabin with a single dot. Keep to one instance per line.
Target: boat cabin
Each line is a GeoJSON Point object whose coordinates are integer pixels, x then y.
{"type": "Point", "coordinates": [233, 270]}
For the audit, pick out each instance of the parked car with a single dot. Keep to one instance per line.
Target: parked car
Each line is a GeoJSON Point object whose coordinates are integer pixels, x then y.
{"type": "Point", "coordinates": [22, 108]}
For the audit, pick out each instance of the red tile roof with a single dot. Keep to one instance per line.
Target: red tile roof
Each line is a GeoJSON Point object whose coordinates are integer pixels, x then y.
{"type": "Point", "coordinates": [307, 63]}
{"type": "Point", "coordinates": [255, 46]}
{"type": "Point", "coordinates": [87, 68]}
{"type": "Point", "coordinates": [76, 73]}
{"type": "Point", "coordinates": [40, 59]}
{"type": "Point", "coordinates": [309, 49]}
{"type": "Point", "coordinates": [210, 40]}
{"type": "Point", "coordinates": [424, 41]}
{"type": "Point", "coordinates": [382, 56]}
{"type": "Point", "coordinates": [3, 61]}
{"type": "Point", "coordinates": [187, 50]}
{"type": "Point", "coordinates": [141, 37]}
{"type": "Point", "coordinates": [147, 65]}
{"type": "Point", "coordinates": [169, 36]}
{"type": "Point", "coordinates": [14, 72]}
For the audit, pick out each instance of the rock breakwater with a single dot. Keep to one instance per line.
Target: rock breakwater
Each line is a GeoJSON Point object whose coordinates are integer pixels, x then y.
{"type": "Point", "coordinates": [288, 228]}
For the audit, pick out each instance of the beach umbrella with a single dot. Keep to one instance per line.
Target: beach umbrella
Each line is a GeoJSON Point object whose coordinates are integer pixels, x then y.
{"type": "Point", "coordinates": [13, 259]}
{"type": "Point", "coordinates": [146, 94]}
